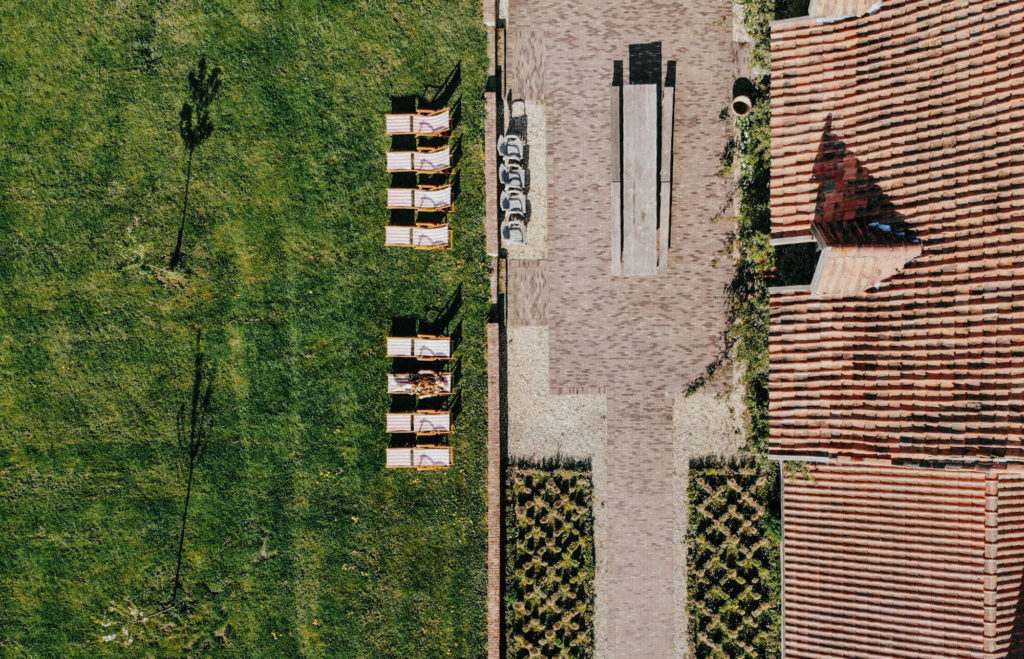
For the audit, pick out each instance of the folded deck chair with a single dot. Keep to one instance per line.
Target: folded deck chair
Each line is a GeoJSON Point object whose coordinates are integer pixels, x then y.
{"type": "Point", "coordinates": [424, 198]}
{"type": "Point", "coordinates": [432, 457]}
{"type": "Point", "coordinates": [424, 161]}
{"type": "Point", "coordinates": [422, 122]}
{"type": "Point", "coordinates": [403, 383]}
{"type": "Point", "coordinates": [425, 346]}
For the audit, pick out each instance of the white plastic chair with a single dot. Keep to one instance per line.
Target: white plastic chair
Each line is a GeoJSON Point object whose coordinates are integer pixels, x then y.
{"type": "Point", "coordinates": [512, 176]}
{"type": "Point", "coordinates": [511, 148]}
{"type": "Point", "coordinates": [513, 231]}
{"type": "Point", "coordinates": [512, 202]}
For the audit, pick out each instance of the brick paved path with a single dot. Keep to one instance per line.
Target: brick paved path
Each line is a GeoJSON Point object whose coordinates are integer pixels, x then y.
{"type": "Point", "coordinates": [662, 329]}
{"type": "Point", "coordinates": [636, 586]}
{"type": "Point", "coordinates": [639, 339]}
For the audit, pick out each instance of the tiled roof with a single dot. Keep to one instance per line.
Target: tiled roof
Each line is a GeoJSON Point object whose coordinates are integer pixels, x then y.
{"type": "Point", "coordinates": [902, 562]}
{"type": "Point", "coordinates": [903, 127]}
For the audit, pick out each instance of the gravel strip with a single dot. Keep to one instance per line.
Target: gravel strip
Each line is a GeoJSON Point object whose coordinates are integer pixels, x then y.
{"type": "Point", "coordinates": [541, 425]}
{"type": "Point", "coordinates": [711, 420]}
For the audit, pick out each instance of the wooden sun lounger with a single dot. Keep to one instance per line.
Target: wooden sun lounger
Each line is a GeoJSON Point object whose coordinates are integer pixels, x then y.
{"type": "Point", "coordinates": [437, 123]}
{"type": "Point", "coordinates": [432, 348]}
{"type": "Point", "coordinates": [424, 160]}
{"type": "Point", "coordinates": [421, 423]}
{"type": "Point", "coordinates": [422, 198]}
{"type": "Point", "coordinates": [425, 347]}
{"type": "Point", "coordinates": [420, 457]}
{"type": "Point", "coordinates": [419, 237]}
{"type": "Point", "coordinates": [401, 383]}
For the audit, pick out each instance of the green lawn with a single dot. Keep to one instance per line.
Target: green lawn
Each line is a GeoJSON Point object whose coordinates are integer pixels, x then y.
{"type": "Point", "coordinates": [287, 276]}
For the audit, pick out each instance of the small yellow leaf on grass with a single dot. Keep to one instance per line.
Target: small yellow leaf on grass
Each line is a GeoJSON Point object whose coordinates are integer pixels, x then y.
{"type": "Point", "coordinates": [355, 520]}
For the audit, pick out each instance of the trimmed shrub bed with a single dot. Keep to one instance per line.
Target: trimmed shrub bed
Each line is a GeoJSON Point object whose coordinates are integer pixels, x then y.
{"type": "Point", "coordinates": [549, 563]}
{"type": "Point", "coordinates": [733, 558]}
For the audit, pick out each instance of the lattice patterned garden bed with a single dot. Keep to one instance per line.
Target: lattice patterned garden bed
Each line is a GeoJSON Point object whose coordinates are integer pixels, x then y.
{"type": "Point", "coordinates": [733, 559]}
{"type": "Point", "coordinates": [550, 562]}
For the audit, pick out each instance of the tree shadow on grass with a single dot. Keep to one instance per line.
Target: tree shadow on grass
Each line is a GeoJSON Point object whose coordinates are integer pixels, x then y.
{"type": "Point", "coordinates": [454, 406]}
{"type": "Point", "coordinates": [456, 372]}
{"type": "Point", "coordinates": [436, 179]}
{"type": "Point", "coordinates": [404, 326]}
{"type": "Point", "coordinates": [456, 152]}
{"type": "Point", "coordinates": [403, 217]}
{"type": "Point", "coordinates": [431, 218]}
{"type": "Point", "coordinates": [405, 104]}
{"type": "Point", "coordinates": [405, 365]}
{"type": "Point", "coordinates": [444, 317]}
{"type": "Point", "coordinates": [403, 143]}
{"type": "Point", "coordinates": [442, 94]}
{"type": "Point", "coordinates": [402, 404]}
{"type": "Point", "coordinates": [456, 182]}
{"type": "Point", "coordinates": [456, 336]}
{"type": "Point", "coordinates": [403, 440]}
{"type": "Point", "coordinates": [456, 114]}
{"type": "Point", "coordinates": [403, 180]}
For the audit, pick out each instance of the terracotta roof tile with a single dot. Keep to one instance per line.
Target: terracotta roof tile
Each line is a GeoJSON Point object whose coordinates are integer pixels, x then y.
{"type": "Point", "coordinates": [902, 562]}
{"type": "Point", "coordinates": [922, 103]}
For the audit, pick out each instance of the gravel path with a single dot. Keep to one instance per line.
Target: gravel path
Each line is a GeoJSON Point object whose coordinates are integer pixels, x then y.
{"type": "Point", "coordinates": [540, 424]}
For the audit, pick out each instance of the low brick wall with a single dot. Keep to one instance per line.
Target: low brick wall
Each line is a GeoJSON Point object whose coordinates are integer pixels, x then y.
{"type": "Point", "coordinates": [494, 585]}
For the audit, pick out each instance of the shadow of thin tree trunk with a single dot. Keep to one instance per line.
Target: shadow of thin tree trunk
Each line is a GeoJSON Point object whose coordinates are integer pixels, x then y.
{"type": "Point", "coordinates": [193, 433]}
{"type": "Point", "coordinates": [194, 127]}
{"type": "Point", "coordinates": [176, 256]}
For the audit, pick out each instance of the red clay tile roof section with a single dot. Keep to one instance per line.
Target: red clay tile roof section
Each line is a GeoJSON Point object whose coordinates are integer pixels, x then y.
{"type": "Point", "coordinates": [924, 100]}
{"type": "Point", "coordinates": [902, 562]}
{"type": "Point", "coordinates": [1008, 565]}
